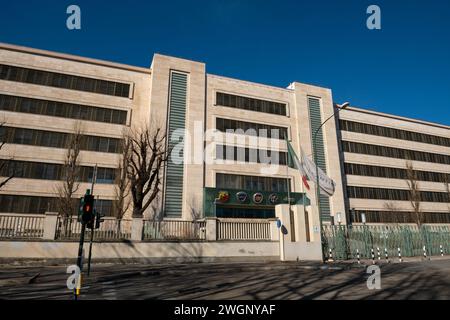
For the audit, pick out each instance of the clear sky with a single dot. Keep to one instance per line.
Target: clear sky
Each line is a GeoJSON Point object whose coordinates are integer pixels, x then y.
{"type": "Point", "coordinates": [404, 68]}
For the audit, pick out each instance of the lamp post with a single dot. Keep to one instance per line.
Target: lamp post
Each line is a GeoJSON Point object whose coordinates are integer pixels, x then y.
{"type": "Point", "coordinates": [339, 108]}
{"type": "Point", "coordinates": [338, 215]}
{"type": "Point", "coordinates": [363, 218]}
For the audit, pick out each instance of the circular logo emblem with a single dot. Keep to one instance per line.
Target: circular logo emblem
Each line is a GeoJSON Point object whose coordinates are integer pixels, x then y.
{"type": "Point", "coordinates": [273, 198]}
{"type": "Point", "coordinates": [224, 196]}
{"type": "Point", "coordinates": [258, 198]}
{"type": "Point", "coordinates": [242, 196]}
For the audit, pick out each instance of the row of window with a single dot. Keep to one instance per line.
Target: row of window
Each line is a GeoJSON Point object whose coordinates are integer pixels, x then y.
{"type": "Point", "coordinates": [399, 217]}
{"type": "Point", "coordinates": [58, 139]}
{"type": "Point", "coordinates": [252, 129]}
{"type": "Point", "coordinates": [395, 194]}
{"type": "Point", "coordinates": [233, 101]}
{"type": "Point", "coordinates": [371, 129]}
{"type": "Point", "coordinates": [243, 154]}
{"type": "Point", "coordinates": [393, 173]}
{"type": "Point", "coordinates": [254, 183]}
{"type": "Point", "coordinates": [40, 205]}
{"type": "Point", "coordinates": [61, 109]}
{"type": "Point", "coordinates": [374, 150]}
{"type": "Point", "coordinates": [65, 81]}
{"type": "Point", "coordinates": [51, 171]}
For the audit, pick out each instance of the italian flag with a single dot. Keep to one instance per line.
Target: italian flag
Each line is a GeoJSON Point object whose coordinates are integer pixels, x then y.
{"type": "Point", "coordinates": [295, 163]}
{"type": "Point", "coordinates": [307, 169]}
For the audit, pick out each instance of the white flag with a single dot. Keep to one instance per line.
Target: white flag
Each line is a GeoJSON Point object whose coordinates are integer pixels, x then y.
{"type": "Point", "coordinates": [327, 185]}
{"type": "Point", "coordinates": [307, 169]}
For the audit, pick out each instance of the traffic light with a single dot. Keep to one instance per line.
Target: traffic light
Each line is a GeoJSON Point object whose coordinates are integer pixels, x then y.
{"type": "Point", "coordinates": [90, 223]}
{"type": "Point", "coordinates": [80, 209]}
{"type": "Point", "coordinates": [88, 209]}
{"type": "Point", "coordinates": [98, 219]}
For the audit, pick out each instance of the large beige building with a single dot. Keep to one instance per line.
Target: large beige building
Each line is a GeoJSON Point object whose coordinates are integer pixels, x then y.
{"type": "Point", "coordinates": [44, 96]}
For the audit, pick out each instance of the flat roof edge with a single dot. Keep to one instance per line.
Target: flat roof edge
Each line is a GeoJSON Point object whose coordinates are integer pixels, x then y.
{"type": "Point", "coordinates": [249, 82]}
{"type": "Point", "coordinates": [70, 57]}
{"type": "Point", "coordinates": [393, 116]}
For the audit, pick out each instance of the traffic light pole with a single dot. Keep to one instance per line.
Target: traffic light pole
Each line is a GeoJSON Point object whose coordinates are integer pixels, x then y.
{"type": "Point", "coordinates": [85, 218]}
{"type": "Point", "coordinates": [94, 180]}
{"type": "Point", "coordinates": [80, 260]}
{"type": "Point", "coordinates": [90, 252]}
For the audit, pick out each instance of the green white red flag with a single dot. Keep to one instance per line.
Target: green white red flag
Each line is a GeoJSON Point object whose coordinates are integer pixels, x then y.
{"type": "Point", "coordinates": [307, 170]}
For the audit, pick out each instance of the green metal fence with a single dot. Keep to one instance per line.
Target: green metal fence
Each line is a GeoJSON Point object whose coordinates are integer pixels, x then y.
{"type": "Point", "coordinates": [346, 241]}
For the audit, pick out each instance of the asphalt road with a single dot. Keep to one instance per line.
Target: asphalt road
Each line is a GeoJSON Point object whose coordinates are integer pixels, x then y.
{"type": "Point", "coordinates": [247, 281]}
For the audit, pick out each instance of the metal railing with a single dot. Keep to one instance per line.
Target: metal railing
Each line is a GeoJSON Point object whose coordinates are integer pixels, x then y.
{"type": "Point", "coordinates": [19, 227]}
{"type": "Point", "coordinates": [346, 241]}
{"type": "Point", "coordinates": [243, 229]}
{"type": "Point", "coordinates": [174, 230]}
{"type": "Point", "coordinates": [111, 229]}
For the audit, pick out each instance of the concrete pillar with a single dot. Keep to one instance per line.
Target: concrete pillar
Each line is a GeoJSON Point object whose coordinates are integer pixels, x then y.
{"type": "Point", "coordinates": [300, 223]}
{"type": "Point", "coordinates": [282, 213]}
{"type": "Point", "coordinates": [315, 223]}
{"type": "Point", "coordinates": [211, 229]}
{"type": "Point", "coordinates": [137, 229]}
{"type": "Point", "coordinates": [299, 249]}
{"type": "Point", "coordinates": [50, 221]}
{"type": "Point", "coordinates": [274, 232]}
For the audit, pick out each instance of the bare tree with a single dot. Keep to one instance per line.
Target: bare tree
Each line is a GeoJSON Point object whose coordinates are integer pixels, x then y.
{"type": "Point", "coordinates": [447, 189]}
{"type": "Point", "coordinates": [122, 183]}
{"type": "Point", "coordinates": [394, 210]}
{"type": "Point", "coordinates": [195, 209]}
{"type": "Point", "coordinates": [148, 155]}
{"type": "Point", "coordinates": [196, 214]}
{"type": "Point", "coordinates": [414, 192]}
{"type": "Point", "coordinates": [4, 163]}
{"type": "Point", "coordinates": [71, 176]}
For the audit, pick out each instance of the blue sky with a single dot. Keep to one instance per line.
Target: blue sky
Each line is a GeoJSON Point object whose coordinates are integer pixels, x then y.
{"type": "Point", "coordinates": [402, 69]}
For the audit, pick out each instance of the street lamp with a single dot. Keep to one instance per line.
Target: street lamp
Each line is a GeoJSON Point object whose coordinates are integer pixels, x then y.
{"type": "Point", "coordinates": [339, 108]}
{"type": "Point", "coordinates": [363, 218]}
{"type": "Point", "coordinates": [338, 215]}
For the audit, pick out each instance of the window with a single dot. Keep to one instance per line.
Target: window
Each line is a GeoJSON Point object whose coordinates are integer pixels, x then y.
{"type": "Point", "coordinates": [250, 155]}
{"type": "Point", "coordinates": [256, 183]}
{"type": "Point", "coordinates": [57, 139]}
{"type": "Point", "coordinates": [389, 152]}
{"type": "Point", "coordinates": [346, 125]}
{"type": "Point", "coordinates": [39, 205]}
{"type": "Point", "coordinates": [52, 171]}
{"type": "Point", "coordinates": [394, 194]}
{"type": "Point", "coordinates": [250, 128]}
{"type": "Point", "coordinates": [61, 109]}
{"type": "Point", "coordinates": [233, 101]}
{"type": "Point", "coordinates": [59, 80]}
{"type": "Point", "coordinates": [393, 173]}
{"type": "Point", "coordinates": [399, 217]}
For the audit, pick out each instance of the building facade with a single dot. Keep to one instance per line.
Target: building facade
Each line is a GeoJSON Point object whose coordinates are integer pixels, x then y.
{"type": "Point", "coordinates": [230, 135]}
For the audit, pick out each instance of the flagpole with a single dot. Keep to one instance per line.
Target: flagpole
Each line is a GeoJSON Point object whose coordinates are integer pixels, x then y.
{"type": "Point", "coordinates": [315, 135]}
{"type": "Point", "coordinates": [289, 201]}
{"type": "Point", "coordinates": [288, 182]}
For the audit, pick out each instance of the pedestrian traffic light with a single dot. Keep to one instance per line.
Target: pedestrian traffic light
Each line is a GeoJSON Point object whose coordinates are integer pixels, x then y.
{"type": "Point", "coordinates": [98, 219]}
{"type": "Point", "coordinates": [88, 209]}
{"type": "Point", "coordinates": [80, 209]}
{"type": "Point", "coordinates": [91, 223]}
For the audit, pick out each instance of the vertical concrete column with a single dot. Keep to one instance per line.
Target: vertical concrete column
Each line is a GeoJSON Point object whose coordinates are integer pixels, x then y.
{"type": "Point", "coordinates": [274, 232]}
{"type": "Point", "coordinates": [137, 229]}
{"type": "Point", "coordinates": [315, 224]}
{"type": "Point", "coordinates": [211, 229]}
{"type": "Point", "coordinates": [282, 213]}
{"type": "Point", "coordinates": [300, 224]}
{"type": "Point", "coordinates": [50, 221]}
